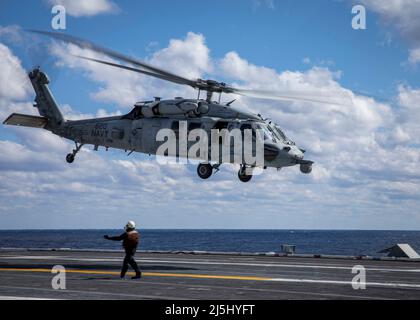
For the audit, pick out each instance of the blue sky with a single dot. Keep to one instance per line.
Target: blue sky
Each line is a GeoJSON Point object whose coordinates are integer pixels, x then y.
{"type": "Point", "coordinates": [279, 37]}
{"type": "Point", "coordinates": [367, 174]}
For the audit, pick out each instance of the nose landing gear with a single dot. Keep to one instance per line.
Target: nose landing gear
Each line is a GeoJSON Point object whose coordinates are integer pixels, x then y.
{"type": "Point", "coordinates": [306, 168]}
{"type": "Point", "coordinates": [71, 156]}
{"type": "Point", "coordinates": [243, 174]}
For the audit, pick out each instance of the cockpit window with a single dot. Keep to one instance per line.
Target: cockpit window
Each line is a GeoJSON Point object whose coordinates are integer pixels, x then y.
{"type": "Point", "coordinates": [246, 126]}
{"type": "Point", "coordinates": [268, 134]}
{"type": "Point", "coordinates": [282, 136]}
{"type": "Point", "coordinates": [280, 133]}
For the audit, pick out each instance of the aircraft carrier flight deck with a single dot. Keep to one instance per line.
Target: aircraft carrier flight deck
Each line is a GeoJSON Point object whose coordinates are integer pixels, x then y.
{"type": "Point", "coordinates": [26, 274]}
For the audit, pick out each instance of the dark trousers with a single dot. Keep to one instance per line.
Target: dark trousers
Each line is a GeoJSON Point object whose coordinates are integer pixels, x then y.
{"type": "Point", "coordinates": [129, 260]}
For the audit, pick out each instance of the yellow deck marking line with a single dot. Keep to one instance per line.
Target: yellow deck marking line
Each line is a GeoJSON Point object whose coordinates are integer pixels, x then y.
{"type": "Point", "coordinates": [208, 276]}
{"type": "Point", "coordinates": [147, 274]}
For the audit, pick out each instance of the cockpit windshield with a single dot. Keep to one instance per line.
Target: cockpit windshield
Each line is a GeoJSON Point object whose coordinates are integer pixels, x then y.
{"type": "Point", "coordinates": [280, 134]}
{"type": "Point", "coordinates": [268, 132]}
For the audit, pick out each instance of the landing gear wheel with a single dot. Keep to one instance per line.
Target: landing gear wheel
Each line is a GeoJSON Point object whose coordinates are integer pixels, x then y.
{"type": "Point", "coordinates": [305, 168]}
{"type": "Point", "coordinates": [70, 158]}
{"type": "Point", "coordinates": [204, 170]}
{"type": "Point", "coordinates": [243, 176]}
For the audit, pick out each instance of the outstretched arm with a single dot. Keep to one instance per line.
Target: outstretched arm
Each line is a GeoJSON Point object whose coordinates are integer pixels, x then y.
{"type": "Point", "coordinates": [117, 238]}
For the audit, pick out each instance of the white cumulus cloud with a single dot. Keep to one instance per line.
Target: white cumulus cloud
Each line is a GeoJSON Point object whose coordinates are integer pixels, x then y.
{"type": "Point", "coordinates": [189, 57]}
{"type": "Point", "coordinates": [366, 157]}
{"type": "Point", "coordinates": [83, 8]}
{"type": "Point", "coordinates": [14, 83]}
{"type": "Point", "coordinates": [403, 15]}
{"type": "Point", "coordinates": [414, 57]}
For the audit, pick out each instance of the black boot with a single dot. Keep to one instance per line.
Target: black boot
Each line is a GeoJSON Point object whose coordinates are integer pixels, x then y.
{"type": "Point", "coordinates": [137, 276]}
{"type": "Point", "coordinates": [123, 271]}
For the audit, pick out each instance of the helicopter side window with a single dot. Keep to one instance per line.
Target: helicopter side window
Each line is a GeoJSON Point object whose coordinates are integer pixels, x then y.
{"type": "Point", "coordinates": [247, 126]}
{"type": "Point", "coordinates": [137, 114]}
{"type": "Point", "coordinates": [175, 128]}
{"type": "Point", "coordinates": [194, 125]}
{"type": "Point", "coordinates": [134, 114]}
{"type": "Point", "coordinates": [220, 125]}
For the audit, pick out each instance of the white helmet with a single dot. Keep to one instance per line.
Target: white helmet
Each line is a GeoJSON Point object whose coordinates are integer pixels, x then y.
{"type": "Point", "coordinates": [130, 225]}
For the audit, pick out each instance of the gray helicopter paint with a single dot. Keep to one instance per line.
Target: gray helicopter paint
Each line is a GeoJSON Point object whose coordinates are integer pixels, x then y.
{"type": "Point", "coordinates": [113, 132]}
{"type": "Point", "coordinates": [137, 130]}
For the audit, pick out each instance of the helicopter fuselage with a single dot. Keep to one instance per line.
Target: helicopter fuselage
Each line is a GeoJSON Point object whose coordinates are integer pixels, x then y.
{"type": "Point", "coordinates": [138, 130]}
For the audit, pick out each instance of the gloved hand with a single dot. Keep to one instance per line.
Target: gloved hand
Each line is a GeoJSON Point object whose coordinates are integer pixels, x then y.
{"type": "Point", "coordinates": [106, 237]}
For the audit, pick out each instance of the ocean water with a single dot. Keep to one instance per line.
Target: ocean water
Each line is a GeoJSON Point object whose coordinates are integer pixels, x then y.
{"type": "Point", "coordinates": [337, 242]}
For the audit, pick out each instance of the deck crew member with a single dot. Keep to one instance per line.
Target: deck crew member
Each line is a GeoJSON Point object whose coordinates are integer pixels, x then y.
{"type": "Point", "coordinates": [130, 241]}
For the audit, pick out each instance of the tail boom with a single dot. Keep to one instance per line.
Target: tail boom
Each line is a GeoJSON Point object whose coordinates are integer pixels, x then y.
{"type": "Point", "coordinates": [44, 100]}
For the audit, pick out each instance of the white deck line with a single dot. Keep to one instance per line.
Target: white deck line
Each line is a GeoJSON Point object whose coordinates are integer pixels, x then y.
{"type": "Point", "coordinates": [190, 261]}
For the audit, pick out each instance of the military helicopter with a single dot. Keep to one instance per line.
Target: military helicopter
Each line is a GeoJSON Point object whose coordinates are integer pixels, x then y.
{"type": "Point", "coordinates": [137, 130]}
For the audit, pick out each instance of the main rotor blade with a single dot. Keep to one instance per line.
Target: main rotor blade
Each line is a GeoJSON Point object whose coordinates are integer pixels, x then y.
{"type": "Point", "coordinates": [116, 55]}
{"type": "Point", "coordinates": [342, 98]}
{"type": "Point", "coordinates": [129, 68]}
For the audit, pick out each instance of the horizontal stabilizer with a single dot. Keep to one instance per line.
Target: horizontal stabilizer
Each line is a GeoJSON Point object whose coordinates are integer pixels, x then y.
{"type": "Point", "coordinates": [403, 250]}
{"type": "Point", "coordinates": [25, 120]}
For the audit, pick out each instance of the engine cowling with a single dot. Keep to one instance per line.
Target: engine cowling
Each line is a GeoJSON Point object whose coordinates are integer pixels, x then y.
{"type": "Point", "coordinates": [172, 108]}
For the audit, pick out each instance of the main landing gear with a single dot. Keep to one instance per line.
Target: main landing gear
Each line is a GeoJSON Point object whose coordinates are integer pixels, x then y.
{"type": "Point", "coordinates": [243, 174]}
{"type": "Point", "coordinates": [205, 171]}
{"type": "Point", "coordinates": [71, 156]}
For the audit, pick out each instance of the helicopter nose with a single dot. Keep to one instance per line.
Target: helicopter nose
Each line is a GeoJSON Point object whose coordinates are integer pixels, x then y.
{"type": "Point", "coordinates": [294, 152]}
{"type": "Point", "coordinates": [270, 152]}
